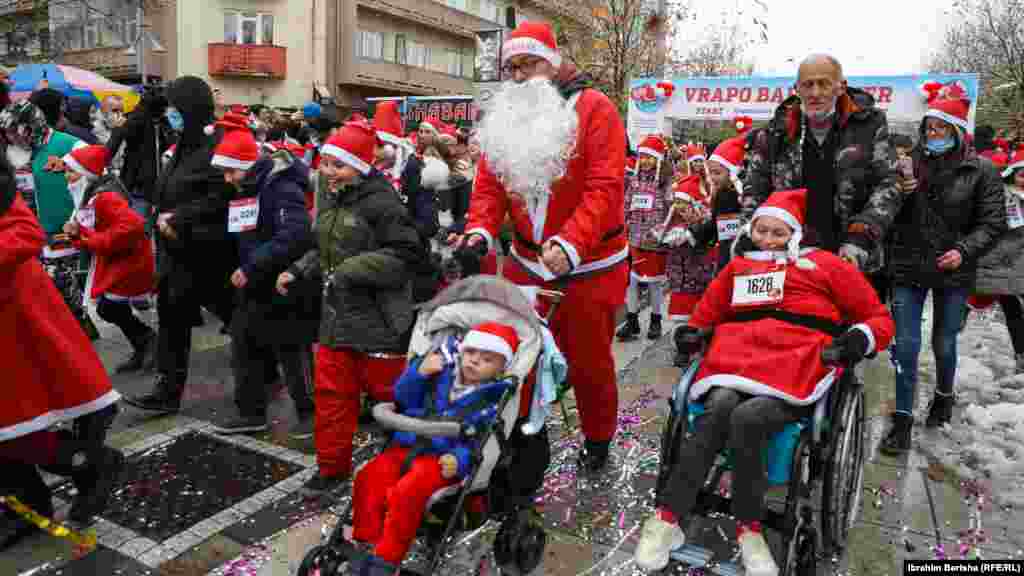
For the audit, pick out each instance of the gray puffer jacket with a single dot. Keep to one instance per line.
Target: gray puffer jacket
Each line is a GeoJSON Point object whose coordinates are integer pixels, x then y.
{"type": "Point", "coordinates": [1001, 269]}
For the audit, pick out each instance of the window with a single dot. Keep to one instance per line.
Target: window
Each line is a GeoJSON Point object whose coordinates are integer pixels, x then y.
{"type": "Point", "coordinates": [457, 4]}
{"type": "Point", "coordinates": [92, 35]}
{"type": "Point", "coordinates": [416, 54]}
{"type": "Point", "coordinates": [371, 45]}
{"type": "Point", "coordinates": [454, 63]}
{"type": "Point", "coordinates": [44, 40]}
{"type": "Point", "coordinates": [400, 54]}
{"type": "Point", "coordinates": [489, 10]}
{"type": "Point", "coordinates": [131, 32]}
{"type": "Point", "coordinates": [113, 32]}
{"type": "Point", "coordinates": [248, 28]}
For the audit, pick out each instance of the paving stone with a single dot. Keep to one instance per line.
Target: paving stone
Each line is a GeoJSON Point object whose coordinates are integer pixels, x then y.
{"type": "Point", "coordinates": [103, 561]}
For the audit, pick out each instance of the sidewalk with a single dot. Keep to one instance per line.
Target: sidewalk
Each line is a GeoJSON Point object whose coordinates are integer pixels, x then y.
{"type": "Point", "coordinates": [193, 503]}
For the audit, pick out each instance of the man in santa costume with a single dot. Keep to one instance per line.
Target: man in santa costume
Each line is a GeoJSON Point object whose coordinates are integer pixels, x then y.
{"type": "Point", "coordinates": [122, 270]}
{"type": "Point", "coordinates": [554, 158]}
{"type": "Point", "coordinates": [773, 309]}
{"type": "Point", "coordinates": [53, 375]}
{"type": "Point", "coordinates": [648, 198]}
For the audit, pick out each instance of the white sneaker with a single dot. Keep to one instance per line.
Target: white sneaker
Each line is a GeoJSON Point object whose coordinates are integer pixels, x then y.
{"type": "Point", "coordinates": [657, 540]}
{"type": "Point", "coordinates": [757, 557]}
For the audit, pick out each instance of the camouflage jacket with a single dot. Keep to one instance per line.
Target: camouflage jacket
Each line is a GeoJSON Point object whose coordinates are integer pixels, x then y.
{"type": "Point", "coordinates": [867, 196]}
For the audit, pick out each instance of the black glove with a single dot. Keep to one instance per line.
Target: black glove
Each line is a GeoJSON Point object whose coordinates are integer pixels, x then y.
{"type": "Point", "coordinates": [689, 340]}
{"type": "Point", "coordinates": [744, 244]}
{"type": "Point", "coordinates": [850, 347]}
{"type": "Point", "coordinates": [469, 257]}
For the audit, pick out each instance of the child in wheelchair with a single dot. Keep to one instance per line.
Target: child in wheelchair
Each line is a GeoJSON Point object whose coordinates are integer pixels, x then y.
{"type": "Point", "coordinates": [774, 309]}
{"type": "Point", "coordinates": [458, 381]}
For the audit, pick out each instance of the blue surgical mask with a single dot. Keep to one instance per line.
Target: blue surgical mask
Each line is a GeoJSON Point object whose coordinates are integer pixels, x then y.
{"type": "Point", "coordinates": [940, 146]}
{"type": "Point", "coordinates": [175, 119]}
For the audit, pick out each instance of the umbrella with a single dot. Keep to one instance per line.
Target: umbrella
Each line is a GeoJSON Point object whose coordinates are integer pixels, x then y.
{"type": "Point", "coordinates": [70, 81]}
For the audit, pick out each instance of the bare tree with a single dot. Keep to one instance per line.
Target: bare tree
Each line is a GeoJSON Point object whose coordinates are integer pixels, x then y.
{"type": "Point", "coordinates": [987, 37]}
{"type": "Point", "coordinates": [623, 39]}
{"type": "Point", "coordinates": [722, 51]}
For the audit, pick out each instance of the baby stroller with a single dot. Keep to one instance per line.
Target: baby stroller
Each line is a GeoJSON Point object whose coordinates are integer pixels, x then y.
{"type": "Point", "coordinates": [511, 457]}
{"type": "Point", "coordinates": [825, 450]}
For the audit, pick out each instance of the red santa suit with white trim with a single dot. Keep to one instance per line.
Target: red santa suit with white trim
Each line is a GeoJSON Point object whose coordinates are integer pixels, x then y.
{"type": "Point", "coordinates": [577, 206]}
{"type": "Point", "coordinates": [771, 357]}
{"type": "Point", "coordinates": [689, 269]}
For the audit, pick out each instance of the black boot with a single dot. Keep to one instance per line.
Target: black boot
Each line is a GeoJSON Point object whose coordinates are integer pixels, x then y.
{"type": "Point", "coordinates": [94, 469]}
{"type": "Point", "coordinates": [654, 329]}
{"type": "Point", "coordinates": [941, 410]}
{"type": "Point", "coordinates": [165, 397]}
{"type": "Point", "coordinates": [897, 441]}
{"type": "Point", "coordinates": [631, 329]}
{"type": "Point", "coordinates": [594, 456]}
{"type": "Point", "coordinates": [143, 352]}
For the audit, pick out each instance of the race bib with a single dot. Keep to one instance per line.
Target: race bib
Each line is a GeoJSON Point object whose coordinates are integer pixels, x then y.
{"type": "Point", "coordinates": [1014, 217]}
{"type": "Point", "coordinates": [758, 289]}
{"type": "Point", "coordinates": [642, 202]}
{"type": "Point", "coordinates": [243, 214]}
{"type": "Point", "coordinates": [728, 227]}
{"type": "Point", "coordinates": [86, 217]}
{"type": "Point", "coordinates": [23, 181]}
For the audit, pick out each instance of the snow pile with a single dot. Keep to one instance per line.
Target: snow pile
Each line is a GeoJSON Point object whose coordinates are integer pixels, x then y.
{"type": "Point", "coordinates": [986, 437]}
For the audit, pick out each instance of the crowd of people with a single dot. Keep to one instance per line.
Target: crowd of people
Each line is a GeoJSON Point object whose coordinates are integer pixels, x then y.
{"type": "Point", "coordinates": [313, 240]}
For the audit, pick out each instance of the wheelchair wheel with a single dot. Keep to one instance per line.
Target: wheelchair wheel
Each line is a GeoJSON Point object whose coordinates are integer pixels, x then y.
{"type": "Point", "coordinates": [802, 559]}
{"type": "Point", "coordinates": [675, 429]}
{"type": "Point", "coordinates": [844, 472]}
{"type": "Point", "coordinates": [798, 478]}
{"type": "Point", "coordinates": [319, 561]}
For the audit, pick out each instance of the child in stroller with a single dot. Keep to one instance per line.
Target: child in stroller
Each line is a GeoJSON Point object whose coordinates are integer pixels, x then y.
{"type": "Point", "coordinates": [460, 381]}
{"type": "Point", "coordinates": [773, 308]}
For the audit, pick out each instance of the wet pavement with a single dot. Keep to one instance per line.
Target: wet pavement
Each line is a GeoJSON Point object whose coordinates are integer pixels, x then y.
{"type": "Point", "coordinates": [192, 502]}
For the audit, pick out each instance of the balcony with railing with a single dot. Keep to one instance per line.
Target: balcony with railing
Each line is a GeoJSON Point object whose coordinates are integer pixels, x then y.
{"type": "Point", "coordinates": [248, 60]}
{"type": "Point", "coordinates": [23, 7]}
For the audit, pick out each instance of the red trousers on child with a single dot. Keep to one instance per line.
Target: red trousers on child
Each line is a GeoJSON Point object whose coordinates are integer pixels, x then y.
{"type": "Point", "coordinates": [342, 376]}
{"type": "Point", "coordinates": [387, 506]}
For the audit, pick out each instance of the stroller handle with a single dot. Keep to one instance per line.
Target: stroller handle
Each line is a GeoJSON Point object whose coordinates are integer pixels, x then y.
{"type": "Point", "coordinates": [385, 414]}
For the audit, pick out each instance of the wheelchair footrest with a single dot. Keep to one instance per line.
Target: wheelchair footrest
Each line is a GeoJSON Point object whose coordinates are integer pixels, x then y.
{"type": "Point", "coordinates": [697, 557]}
{"type": "Point", "coordinates": [350, 552]}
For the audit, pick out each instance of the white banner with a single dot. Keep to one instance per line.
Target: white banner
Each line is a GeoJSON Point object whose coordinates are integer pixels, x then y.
{"type": "Point", "coordinates": [726, 98]}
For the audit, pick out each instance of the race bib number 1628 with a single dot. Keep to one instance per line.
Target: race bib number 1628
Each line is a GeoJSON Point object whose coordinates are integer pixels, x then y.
{"type": "Point", "coordinates": [757, 289]}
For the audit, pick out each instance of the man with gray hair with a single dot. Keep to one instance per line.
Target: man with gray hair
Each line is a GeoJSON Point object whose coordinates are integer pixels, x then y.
{"type": "Point", "coordinates": [108, 116]}
{"type": "Point", "coordinates": [834, 141]}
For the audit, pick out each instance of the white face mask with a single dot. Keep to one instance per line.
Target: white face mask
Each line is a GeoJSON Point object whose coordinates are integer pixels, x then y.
{"type": "Point", "coordinates": [18, 156]}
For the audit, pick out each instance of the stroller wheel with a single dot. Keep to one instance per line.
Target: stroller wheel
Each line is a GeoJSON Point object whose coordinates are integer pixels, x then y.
{"type": "Point", "coordinates": [319, 561]}
{"type": "Point", "coordinates": [519, 545]}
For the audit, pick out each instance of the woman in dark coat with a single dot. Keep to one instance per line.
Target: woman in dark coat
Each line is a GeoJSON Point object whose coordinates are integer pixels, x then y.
{"type": "Point", "coordinates": [953, 213]}
{"type": "Point", "coordinates": [195, 254]}
{"type": "Point", "coordinates": [1001, 270]}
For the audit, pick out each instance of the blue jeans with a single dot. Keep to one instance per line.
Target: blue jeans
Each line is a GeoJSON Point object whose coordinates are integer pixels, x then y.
{"type": "Point", "coordinates": [907, 308]}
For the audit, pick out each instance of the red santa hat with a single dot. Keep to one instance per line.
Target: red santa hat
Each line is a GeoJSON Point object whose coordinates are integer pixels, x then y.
{"type": "Point", "coordinates": [743, 124]}
{"type": "Point", "coordinates": [493, 337]}
{"type": "Point", "coordinates": [999, 158]}
{"type": "Point", "coordinates": [534, 39]}
{"type": "Point", "coordinates": [89, 160]}
{"type": "Point", "coordinates": [388, 122]}
{"type": "Point", "coordinates": [237, 149]}
{"type": "Point", "coordinates": [947, 102]}
{"type": "Point", "coordinates": [695, 152]}
{"type": "Point", "coordinates": [730, 155]}
{"type": "Point", "coordinates": [1001, 144]}
{"type": "Point", "coordinates": [790, 206]}
{"type": "Point", "coordinates": [654, 146]}
{"type": "Point", "coordinates": [1016, 164]}
{"type": "Point", "coordinates": [449, 134]}
{"type": "Point", "coordinates": [353, 144]}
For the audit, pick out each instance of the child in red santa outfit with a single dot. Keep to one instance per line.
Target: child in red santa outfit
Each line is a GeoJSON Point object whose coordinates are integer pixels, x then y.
{"type": "Point", "coordinates": [762, 370]}
{"type": "Point", "coordinates": [460, 380]}
{"type": "Point", "coordinates": [106, 225]}
{"type": "Point", "coordinates": [647, 201]}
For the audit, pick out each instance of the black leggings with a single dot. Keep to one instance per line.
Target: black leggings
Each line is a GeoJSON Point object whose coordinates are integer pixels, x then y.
{"type": "Point", "coordinates": [1014, 312]}
{"type": "Point", "coordinates": [120, 314]}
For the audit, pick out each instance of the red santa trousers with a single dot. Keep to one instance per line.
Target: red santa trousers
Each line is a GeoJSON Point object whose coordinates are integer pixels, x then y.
{"type": "Point", "coordinates": [387, 506]}
{"type": "Point", "coordinates": [584, 326]}
{"type": "Point", "coordinates": [342, 376]}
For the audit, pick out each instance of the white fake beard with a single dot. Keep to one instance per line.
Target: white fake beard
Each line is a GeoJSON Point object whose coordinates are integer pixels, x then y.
{"type": "Point", "coordinates": [18, 156]}
{"type": "Point", "coordinates": [528, 134]}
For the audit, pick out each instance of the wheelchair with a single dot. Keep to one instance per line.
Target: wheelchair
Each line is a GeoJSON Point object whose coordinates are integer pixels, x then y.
{"type": "Point", "coordinates": [820, 454]}
{"type": "Point", "coordinates": [509, 461]}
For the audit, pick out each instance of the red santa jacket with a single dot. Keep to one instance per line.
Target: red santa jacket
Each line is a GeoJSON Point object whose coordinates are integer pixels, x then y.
{"type": "Point", "coordinates": [771, 357]}
{"type": "Point", "coordinates": [124, 263]}
{"type": "Point", "coordinates": [584, 213]}
{"type": "Point", "coordinates": [50, 367]}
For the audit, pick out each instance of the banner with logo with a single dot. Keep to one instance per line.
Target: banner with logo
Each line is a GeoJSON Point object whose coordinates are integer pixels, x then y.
{"type": "Point", "coordinates": [652, 100]}
{"type": "Point", "coordinates": [459, 110]}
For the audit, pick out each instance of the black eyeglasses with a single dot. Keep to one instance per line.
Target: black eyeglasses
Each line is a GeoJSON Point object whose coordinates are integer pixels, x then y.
{"type": "Point", "coordinates": [526, 67]}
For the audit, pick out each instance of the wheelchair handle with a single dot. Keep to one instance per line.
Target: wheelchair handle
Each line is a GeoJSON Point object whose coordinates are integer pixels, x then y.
{"type": "Point", "coordinates": [385, 414]}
